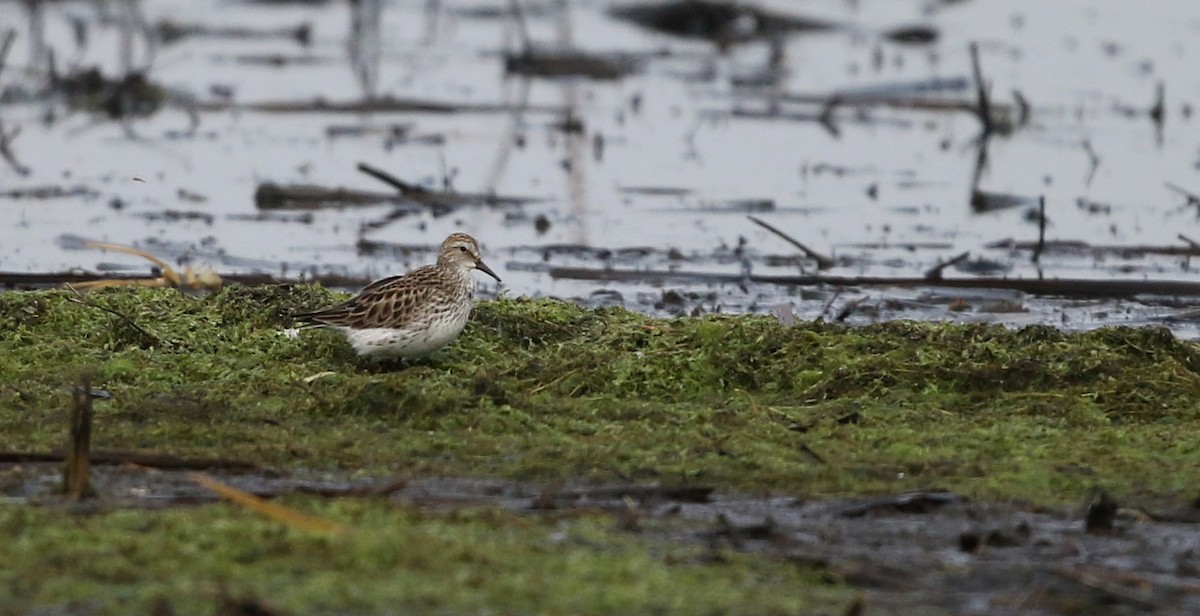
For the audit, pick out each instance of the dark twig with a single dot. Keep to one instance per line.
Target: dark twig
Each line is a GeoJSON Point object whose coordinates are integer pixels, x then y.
{"type": "Point", "coordinates": [77, 470]}
{"type": "Point", "coordinates": [984, 109]}
{"type": "Point", "coordinates": [823, 262]}
{"type": "Point", "coordinates": [404, 187]}
{"type": "Point", "coordinates": [935, 272]}
{"type": "Point", "coordinates": [1041, 245]}
{"type": "Point", "coordinates": [1189, 241]}
{"type": "Point", "coordinates": [80, 299]}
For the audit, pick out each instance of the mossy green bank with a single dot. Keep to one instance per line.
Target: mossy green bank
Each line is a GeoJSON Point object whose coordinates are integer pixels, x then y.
{"type": "Point", "coordinates": [545, 390]}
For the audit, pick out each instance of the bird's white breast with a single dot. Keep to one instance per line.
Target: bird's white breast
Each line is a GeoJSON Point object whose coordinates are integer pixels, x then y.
{"type": "Point", "coordinates": [413, 341]}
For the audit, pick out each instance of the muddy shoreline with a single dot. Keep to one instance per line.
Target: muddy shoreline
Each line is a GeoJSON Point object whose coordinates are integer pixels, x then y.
{"type": "Point", "coordinates": [908, 553]}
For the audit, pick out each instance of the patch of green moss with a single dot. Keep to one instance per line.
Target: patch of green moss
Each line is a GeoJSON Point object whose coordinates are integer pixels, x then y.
{"type": "Point", "coordinates": [540, 389]}
{"type": "Point", "coordinates": [395, 561]}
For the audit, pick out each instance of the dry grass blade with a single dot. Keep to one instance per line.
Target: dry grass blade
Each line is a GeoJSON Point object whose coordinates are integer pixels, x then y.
{"type": "Point", "coordinates": [279, 513]}
{"type": "Point", "coordinates": [189, 280]}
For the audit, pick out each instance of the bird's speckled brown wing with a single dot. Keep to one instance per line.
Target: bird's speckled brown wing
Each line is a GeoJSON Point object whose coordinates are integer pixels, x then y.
{"type": "Point", "coordinates": [392, 302]}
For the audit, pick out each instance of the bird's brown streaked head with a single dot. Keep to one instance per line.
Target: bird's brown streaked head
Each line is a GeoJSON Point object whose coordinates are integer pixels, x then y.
{"type": "Point", "coordinates": [462, 251]}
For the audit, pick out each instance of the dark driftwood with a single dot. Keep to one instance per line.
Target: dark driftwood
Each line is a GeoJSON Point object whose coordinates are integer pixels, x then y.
{"type": "Point", "coordinates": [270, 196]}
{"type": "Point", "coordinates": [569, 63]}
{"type": "Point", "coordinates": [1061, 287]}
{"type": "Point", "coordinates": [170, 31]}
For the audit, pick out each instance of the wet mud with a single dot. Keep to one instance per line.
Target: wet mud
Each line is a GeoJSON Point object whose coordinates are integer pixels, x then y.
{"type": "Point", "coordinates": [925, 551]}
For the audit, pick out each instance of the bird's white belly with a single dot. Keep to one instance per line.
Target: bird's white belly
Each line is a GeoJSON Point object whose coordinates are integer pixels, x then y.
{"type": "Point", "coordinates": [409, 342]}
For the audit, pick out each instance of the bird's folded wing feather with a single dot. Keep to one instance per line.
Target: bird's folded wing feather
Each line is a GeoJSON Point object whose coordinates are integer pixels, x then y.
{"type": "Point", "coordinates": [390, 302]}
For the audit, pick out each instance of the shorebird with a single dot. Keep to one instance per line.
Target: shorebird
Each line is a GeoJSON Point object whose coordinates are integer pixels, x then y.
{"type": "Point", "coordinates": [411, 315]}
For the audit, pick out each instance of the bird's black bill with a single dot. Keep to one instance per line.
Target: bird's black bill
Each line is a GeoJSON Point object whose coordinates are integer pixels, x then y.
{"type": "Point", "coordinates": [481, 266]}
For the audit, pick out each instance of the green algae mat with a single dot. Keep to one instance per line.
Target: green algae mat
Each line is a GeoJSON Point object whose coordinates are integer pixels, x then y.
{"type": "Point", "coordinates": [544, 391]}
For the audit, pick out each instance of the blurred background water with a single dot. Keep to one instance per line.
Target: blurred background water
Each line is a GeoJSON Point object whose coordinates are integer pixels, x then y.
{"type": "Point", "coordinates": [654, 170]}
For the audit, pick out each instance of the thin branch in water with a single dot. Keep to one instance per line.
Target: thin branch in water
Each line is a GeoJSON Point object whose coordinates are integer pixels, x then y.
{"type": "Point", "coordinates": [984, 109]}
{"type": "Point", "coordinates": [935, 272]}
{"type": "Point", "coordinates": [404, 187]}
{"type": "Point", "coordinates": [823, 262]}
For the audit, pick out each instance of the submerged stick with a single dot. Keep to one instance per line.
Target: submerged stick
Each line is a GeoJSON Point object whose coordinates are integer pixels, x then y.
{"type": "Point", "coordinates": [823, 262]}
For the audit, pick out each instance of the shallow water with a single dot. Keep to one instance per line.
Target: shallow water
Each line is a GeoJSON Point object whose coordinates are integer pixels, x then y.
{"type": "Point", "coordinates": [678, 169]}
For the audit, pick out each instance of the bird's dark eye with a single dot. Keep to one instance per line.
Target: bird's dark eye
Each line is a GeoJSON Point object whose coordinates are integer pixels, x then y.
{"type": "Point", "coordinates": [462, 248]}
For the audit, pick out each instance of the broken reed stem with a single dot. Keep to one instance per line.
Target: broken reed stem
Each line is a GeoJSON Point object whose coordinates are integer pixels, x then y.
{"type": "Point", "coordinates": [1041, 244]}
{"type": "Point", "coordinates": [78, 467]}
{"type": "Point", "coordinates": [984, 109]}
{"type": "Point", "coordinates": [823, 262]}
